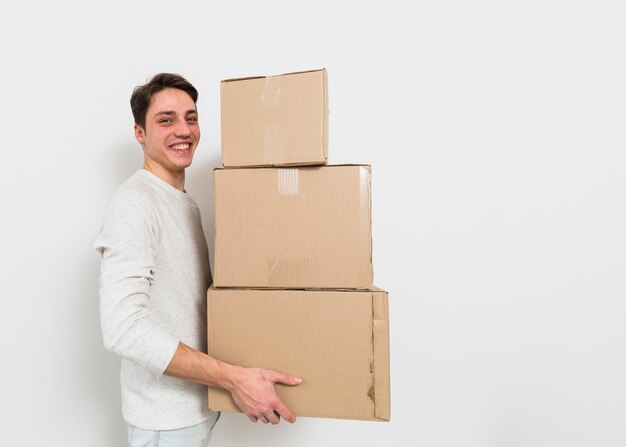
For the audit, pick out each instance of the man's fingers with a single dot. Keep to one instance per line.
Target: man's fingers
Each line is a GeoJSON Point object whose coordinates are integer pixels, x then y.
{"type": "Point", "coordinates": [287, 379]}
{"type": "Point", "coordinates": [273, 417]}
{"type": "Point", "coordinates": [285, 412]}
{"type": "Point", "coordinates": [255, 392]}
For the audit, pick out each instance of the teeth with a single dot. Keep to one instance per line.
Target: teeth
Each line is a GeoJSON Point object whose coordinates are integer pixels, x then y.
{"type": "Point", "coordinates": [180, 147]}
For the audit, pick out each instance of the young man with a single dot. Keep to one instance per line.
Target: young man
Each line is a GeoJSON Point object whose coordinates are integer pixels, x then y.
{"type": "Point", "coordinates": [153, 283]}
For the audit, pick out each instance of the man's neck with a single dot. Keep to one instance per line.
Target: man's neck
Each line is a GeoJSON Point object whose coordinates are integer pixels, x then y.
{"type": "Point", "coordinates": [175, 179]}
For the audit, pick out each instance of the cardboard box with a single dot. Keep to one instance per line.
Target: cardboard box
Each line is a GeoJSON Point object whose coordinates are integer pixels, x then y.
{"type": "Point", "coordinates": [293, 227]}
{"type": "Point", "coordinates": [275, 120]}
{"type": "Point", "coordinates": [337, 341]}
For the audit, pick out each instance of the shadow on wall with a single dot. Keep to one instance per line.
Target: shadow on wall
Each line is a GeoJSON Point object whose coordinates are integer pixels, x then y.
{"type": "Point", "coordinates": [97, 372]}
{"type": "Point", "coordinates": [125, 160]}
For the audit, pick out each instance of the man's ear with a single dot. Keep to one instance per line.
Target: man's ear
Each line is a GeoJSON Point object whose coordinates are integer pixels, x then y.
{"type": "Point", "coordinates": [139, 133]}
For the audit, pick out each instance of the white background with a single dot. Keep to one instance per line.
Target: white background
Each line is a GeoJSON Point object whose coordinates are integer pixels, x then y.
{"type": "Point", "coordinates": [496, 133]}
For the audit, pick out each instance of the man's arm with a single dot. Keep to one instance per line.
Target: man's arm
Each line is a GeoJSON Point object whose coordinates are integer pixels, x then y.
{"type": "Point", "coordinates": [251, 388]}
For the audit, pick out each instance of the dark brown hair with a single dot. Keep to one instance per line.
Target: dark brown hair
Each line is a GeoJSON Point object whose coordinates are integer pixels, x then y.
{"type": "Point", "coordinates": [142, 94]}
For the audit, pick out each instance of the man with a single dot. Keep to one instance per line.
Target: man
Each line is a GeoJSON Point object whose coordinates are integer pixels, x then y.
{"type": "Point", "coordinates": [154, 278]}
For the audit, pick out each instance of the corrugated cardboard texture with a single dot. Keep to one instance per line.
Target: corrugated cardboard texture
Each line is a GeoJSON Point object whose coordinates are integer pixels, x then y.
{"type": "Point", "coordinates": [275, 120]}
{"type": "Point", "coordinates": [338, 341]}
{"type": "Point", "coordinates": [293, 227]}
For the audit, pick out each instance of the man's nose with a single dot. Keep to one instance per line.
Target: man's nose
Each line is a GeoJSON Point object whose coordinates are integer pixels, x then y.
{"type": "Point", "coordinates": [183, 128]}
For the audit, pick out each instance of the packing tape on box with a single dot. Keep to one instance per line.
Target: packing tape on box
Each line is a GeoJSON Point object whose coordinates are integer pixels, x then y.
{"type": "Point", "coordinates": [271, 91]}
{"type": "Point", "coordinates": [288, 181]}
{"type": "Point", "coordinates": [380, 338]}
{"type": "Point", "coordinates": [365, 189]}
{"type": "Point", "coordinates": [294, 272]}
{"type": "Point", "coordinates": [272, 131]}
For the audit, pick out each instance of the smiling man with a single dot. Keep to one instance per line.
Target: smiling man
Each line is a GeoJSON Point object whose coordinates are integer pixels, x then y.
{"type": "Point", "coordinates": [154, 277]}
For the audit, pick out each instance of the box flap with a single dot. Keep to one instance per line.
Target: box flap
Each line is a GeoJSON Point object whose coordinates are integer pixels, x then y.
{"type": "Point", "coordinates": [272, 76]}
{"type": "Point", "coordinates": [380, 336]}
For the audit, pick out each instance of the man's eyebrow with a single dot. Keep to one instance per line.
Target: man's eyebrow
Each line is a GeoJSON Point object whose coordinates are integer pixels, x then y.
{"type": "Point", "coordinates": [173, 113]}
{"type": "Point", "coordinates": [165, 112]}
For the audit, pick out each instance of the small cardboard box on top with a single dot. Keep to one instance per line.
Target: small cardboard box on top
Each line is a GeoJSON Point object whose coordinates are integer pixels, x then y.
{"type": "Point", "coordinates": [275, 120]}
{"type": "Point", "coordinates": [337, 341]}
{"type": "Point", "coordinates": [307, 227]}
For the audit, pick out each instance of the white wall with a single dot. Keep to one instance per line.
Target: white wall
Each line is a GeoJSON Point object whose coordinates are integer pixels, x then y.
{"type": "Point", "coordinates": [496, 134]}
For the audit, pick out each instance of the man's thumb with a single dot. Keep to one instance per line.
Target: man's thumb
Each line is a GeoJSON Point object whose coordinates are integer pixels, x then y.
{"type": "Point", "coordinates": [288, 379]}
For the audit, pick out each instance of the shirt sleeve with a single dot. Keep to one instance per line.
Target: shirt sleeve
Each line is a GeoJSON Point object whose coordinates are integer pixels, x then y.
{"type": "Point", "coordinates": [128, 244]}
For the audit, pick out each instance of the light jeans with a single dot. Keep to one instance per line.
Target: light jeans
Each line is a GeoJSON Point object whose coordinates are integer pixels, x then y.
{"type": "Point", "coordinates": [194, 436]}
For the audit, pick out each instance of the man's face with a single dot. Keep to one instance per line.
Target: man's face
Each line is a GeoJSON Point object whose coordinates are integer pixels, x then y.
{"type": "Point", "coordinates": [171, 134]}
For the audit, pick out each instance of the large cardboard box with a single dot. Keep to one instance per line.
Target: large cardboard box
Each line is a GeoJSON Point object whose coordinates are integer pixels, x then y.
{"type": "Point", "coordinates": [293, 227]}
{"type": "Point", "coordinates": [275, 120]}
{"type": "Point", "coordinates": [337, 341]}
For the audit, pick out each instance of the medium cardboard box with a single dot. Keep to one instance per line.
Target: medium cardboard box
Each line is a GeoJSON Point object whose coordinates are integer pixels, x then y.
{"type": "Point", "coordinates": [337, 341]}
{"type": "Point", "coordinates": [307, 227]}
{"type": "Point", "coordinates": [275, 120]}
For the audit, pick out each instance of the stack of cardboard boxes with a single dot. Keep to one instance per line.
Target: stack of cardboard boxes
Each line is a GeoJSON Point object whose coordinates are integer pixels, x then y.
{"type": "Point", "coordinates": [293, 279]}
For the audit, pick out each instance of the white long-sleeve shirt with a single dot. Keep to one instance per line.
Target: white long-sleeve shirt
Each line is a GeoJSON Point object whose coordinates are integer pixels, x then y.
{"type": "Point", "coordinates": [154, 277]}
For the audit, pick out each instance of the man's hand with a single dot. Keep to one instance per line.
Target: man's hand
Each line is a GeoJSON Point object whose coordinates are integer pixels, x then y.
{"type": "Point", "coordinates": [251, 388]}
{"type": "Point", "coordinates": [253, 392]}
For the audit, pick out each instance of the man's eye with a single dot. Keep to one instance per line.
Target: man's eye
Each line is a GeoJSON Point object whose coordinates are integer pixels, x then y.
{"type": "Point", "coordinates": [166, 120]}
{"type": "Point", "coordinates": [192, 119]}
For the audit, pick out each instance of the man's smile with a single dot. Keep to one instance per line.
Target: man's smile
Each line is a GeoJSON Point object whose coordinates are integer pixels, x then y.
{"type": "Point", "coordinates": [180, 147]}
